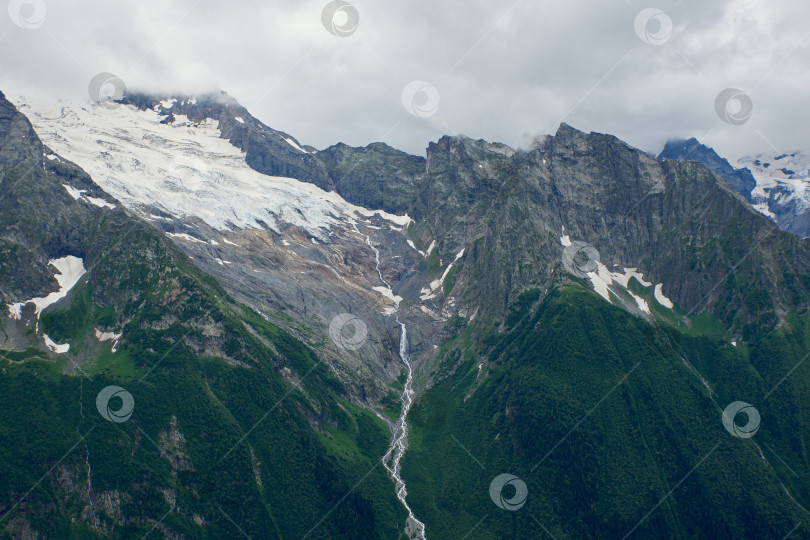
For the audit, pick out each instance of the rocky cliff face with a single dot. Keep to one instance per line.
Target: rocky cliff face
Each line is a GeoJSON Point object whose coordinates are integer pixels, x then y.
{"type": "Point", "coordinates": [463, 246]}
{"type": "Point", "coordinates": [691, 150]}
{"type": "Point", "coordinates": [775, 185]}
{"type": "Point", "coordinates": [677, 223]}
{"type": "Point", "coordinates": [227, 416]}
{"type": "Point", "coordinates": [484, 224]}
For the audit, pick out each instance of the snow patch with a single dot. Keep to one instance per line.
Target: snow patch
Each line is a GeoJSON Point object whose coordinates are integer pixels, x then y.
{"type": "Point", "coordinates": [15, 311]}
{"type": "Point", "coordinates": [565, 240]}
{"type": "Point", "coordinates": [108, 336]}
{"type": "Point", "coordinates": [55, 347]}
{"type": "Point", "coordinates": [101, 203]}
{"type": "Point", "coordinates": [402, 221]}
{"type": "Point", "coordinates": [624, 278]}
{"type": "Point", "coordinates": [294, 144]}
{"type": "Point", "coordinates": [185, 236]}
{"type": "Point", "coordinates": [388, 294]}
{"type": "Point", "coordinates": [80, 194]}
{"type": "Point", "coordinates": [426, 294]}
{"type": "Point", "coordinates": [70, 270]}
{"type": "Point", "coordinates": [413, 246]}
{"type": "Point", "coordinates": [641, 303]}
{"type": "Point", "coordinates": [660, 298]}
{"type": "Point", "coordinates": [600, 281]}
{"type": "Point", "coordinates": [73, 192]}
{"type": "Point", "coordinates": [238, 119]}
{"type": "Point", "coordinates": [762, 208]}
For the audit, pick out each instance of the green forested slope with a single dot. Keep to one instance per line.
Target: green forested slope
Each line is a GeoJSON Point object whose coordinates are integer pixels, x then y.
{"type": "Point", "coordinates": [597, 412]}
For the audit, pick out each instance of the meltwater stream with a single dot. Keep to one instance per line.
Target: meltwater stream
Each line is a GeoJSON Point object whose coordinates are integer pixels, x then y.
{"type": "Point", "coordinates": [414, 528]}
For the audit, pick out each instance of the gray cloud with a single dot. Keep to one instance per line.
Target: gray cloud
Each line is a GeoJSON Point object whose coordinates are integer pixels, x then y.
{"type": "Point", "coordinates": [505, 71]}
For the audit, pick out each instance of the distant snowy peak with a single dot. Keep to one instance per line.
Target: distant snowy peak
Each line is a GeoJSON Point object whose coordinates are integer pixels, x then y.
{"type": "Point", "coordinates": [793, 166]}
{"type": "Point", "coordinates": [782, 188]}
{"type": "Point", "coordinates": [775, 184]}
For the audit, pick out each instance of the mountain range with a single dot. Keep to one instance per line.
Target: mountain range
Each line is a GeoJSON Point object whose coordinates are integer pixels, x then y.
{"type": "Point", "coordinates": [775, 183]}
{"type": "Point", "coordinates": [482, 342]}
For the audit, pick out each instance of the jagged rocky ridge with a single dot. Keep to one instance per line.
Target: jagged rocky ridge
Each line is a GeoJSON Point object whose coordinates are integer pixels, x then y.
{"type": "Point", "coordinates": [776, 185]}
{"type": "Point", "coordinates": [487, 225]}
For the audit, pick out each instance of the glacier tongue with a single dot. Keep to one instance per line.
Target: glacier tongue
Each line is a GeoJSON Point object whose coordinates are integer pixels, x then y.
{"type": "Point", "coordinates": [184, 168]}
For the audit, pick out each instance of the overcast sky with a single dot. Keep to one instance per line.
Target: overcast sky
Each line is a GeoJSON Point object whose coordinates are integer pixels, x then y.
{"type": "Point", "coordinates": [504, 71]}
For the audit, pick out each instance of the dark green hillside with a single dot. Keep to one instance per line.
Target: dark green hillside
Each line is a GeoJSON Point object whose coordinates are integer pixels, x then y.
{"type": "Point", "coordinates": [237, 427]}
{"type": "Point", "coordinates": [595, 410]}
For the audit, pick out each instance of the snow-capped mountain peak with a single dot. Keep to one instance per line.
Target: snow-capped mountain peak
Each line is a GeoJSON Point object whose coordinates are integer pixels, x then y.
{"type": "Point", "coordinates": [782, 190]}
{"type": "Point", "coordinates": [183, 169]}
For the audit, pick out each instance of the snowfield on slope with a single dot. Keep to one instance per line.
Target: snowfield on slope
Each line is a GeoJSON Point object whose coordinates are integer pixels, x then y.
{"type": "Point", "coordinates": [69, 269]}
{"type": "Point", "coordinates": [789, 171]}
{"type": "Point", "coordinates": [604, 282]}
{"type": "Point", "coordinates": [184, 169]}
